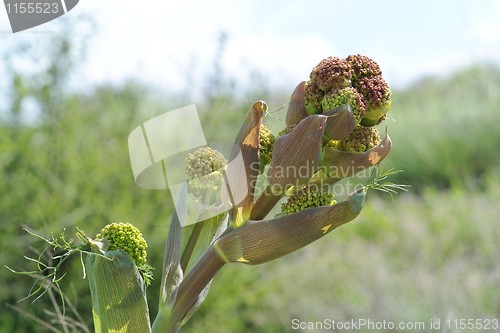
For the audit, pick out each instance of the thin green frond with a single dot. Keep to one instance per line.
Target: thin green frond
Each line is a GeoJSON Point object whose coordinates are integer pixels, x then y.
{"type": "Point", "coordinates": [378, 182]}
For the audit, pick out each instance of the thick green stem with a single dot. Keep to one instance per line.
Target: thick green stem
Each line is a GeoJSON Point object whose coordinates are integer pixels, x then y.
{"type": "Point", "coordinates": [189, 290]}
{"type": "Point", "coordinates": [162, 320]}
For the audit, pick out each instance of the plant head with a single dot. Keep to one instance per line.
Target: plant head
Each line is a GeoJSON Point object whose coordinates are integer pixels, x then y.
{"type": "Point", "coordinates": [266, 145]}
{"type": "Point", "coordinates": [362, 67]}
{"type": "Point", "coordinates": [345, 96]}
{"type": "Point", "coordinates": [359, 141]}
{"type": "Point", "coordinates": [205, 172]}
{"type": "Point", "coordinates": [377, 97]}
{"type": "Point", "coordinates": [313, 97]}
{"type": "Point", "coordinates": [332, 73]}
{"type": "Point", "coordinates": [305, 199]}
{"type": "Point", "coordinates": [125, 237]}
{"type": "Point", "coordinates": [204, 161]}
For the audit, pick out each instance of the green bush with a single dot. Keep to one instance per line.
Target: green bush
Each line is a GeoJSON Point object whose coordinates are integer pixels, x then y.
{"type": "Point", "coordinates": [446, 129]}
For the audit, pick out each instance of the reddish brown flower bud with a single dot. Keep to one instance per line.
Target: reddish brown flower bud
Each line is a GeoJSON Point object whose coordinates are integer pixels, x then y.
{"type": "Point", "coordinates": [332, 73]}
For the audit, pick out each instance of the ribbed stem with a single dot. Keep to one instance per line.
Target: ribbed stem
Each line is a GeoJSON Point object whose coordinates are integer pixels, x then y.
{"type": "Point", "coordinates": [190, 288]}
{"type": "Point", "coordinates": [188, 251]}
{"type": "Point", "coordinates": [264, 204]}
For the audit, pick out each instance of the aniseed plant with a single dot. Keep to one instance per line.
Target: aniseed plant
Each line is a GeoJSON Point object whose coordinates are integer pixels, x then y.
{"type": "Point", "coordinates": [330, 135]}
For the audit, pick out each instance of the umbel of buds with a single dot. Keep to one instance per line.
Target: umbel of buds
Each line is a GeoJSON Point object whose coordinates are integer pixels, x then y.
{"type": "Point", "coordinates": [356, 80]}
{"type": "Point", "coordinates": [359, 141]}
{"type": "Point", "coordinates": [266, 144]}
{"type": "Point", "coordinates": [203, 162]}
{"type": "Point", "coordinates": [205, 173]}
{"type": "Point", "coordinates": [125, 237]}
{"type": "Point", "coordinates": [307, 199]}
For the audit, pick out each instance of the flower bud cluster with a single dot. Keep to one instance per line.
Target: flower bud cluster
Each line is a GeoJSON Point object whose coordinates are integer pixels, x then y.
{"type": "Point", "coordinates": [349, 95]}
{"type": "Point", "coordinates": [126, 237]}
{"type": "Point", "coordinates": [362, 67]}
{"type": "Point", "coordinates": [266, 145]}
{"type": "Point", "coordinates": [204, 170]}
{"type": "Point", "coordinates": [332, 73]}
{"type": "Point", "coordinates": [303, 200]}
{"type": "Point", "coordinates": [377, 98]}
{"type": "Point", "coordinates": [203, 162]}
{"type": "Point", "coordinates": [360, 140]}
{"type": "Point", "coordinates": [356, 80]}
{"type": "Point", "coordinates": [313, 97]}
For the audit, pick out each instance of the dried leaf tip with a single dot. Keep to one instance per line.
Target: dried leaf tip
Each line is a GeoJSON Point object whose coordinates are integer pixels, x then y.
{"type": "Point", "coordinates": [260, 107]}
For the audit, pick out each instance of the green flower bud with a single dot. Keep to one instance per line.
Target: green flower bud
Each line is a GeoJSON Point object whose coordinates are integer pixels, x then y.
{"type": "Point", "coordinates": [312, 98]}
{"type": "Point", "coordinates": [363, 66]}
{"type": "Point", "coordinates": [203, 162]}
{"type": "Point", "coordinates": [300, 201]}
{"type": "Point", "coordinates": [266, 145]}
{"type": "Point", "coordinates": [204, 169]}
{"type": "Point", "coordinates": [208, 185]}
{"type": "Point", "coordinates": [377, 98]}
{"type": "Point", "coordinates": [360, 140]}
{"type": "Point", "coordinates": [344, 96]}
{"type": "Point", "coordinates": [332, 73]}
{"type": "Point", "coordinates": [126, 237]}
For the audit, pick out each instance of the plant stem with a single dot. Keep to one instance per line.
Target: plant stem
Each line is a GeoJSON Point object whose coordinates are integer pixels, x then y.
{"type": "Point", "coordinates": [188, 251]}
{"type": "Point", "coordinates": [264, 204]}
{"type": "Point", "coordinates": [189, 290]}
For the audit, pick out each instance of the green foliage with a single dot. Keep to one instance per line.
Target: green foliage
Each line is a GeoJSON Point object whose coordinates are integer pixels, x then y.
{"type": "Point", "coordinates": [379, 182]}
{"type": "Point", "coordinates": [68, 168]}
{"type": "Point", "coordinates": [48, 267]}
{"type": "Point", "coordinates": [446, 130]}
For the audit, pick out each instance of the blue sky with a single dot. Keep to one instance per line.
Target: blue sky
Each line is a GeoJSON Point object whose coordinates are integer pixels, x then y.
{"type": "Point", "coordinates": [164, 43]}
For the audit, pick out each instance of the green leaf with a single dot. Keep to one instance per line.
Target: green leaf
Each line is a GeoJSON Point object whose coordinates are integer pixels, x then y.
{"type": "Point", "coordinates": [118, 294]}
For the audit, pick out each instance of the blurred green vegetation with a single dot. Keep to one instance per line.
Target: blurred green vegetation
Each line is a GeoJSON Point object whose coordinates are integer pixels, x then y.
{"type": "Point", "coordinates": [445, 131]}
{"type": "Point", "coordinates": [432, 253]}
